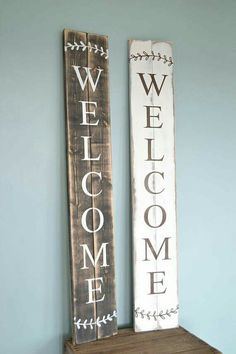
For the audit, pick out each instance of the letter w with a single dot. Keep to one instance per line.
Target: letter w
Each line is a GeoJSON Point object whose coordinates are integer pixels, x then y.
{"type": "Point", "coordinates": [156, 255]}
{"type": "Point", "coordinates": [153, 82]}
{"type": "Point", "coordinates": [87, 77]}
{"type": "Point", "coordinates": [102, 250]}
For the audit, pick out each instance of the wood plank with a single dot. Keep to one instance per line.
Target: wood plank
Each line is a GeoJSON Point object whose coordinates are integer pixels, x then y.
{"type": "Point", "coordinates": [153, 185]}
{"type": "Point", "coordinates": [101, 142]}
{"type": "Point", "coordinates": [169, 341]}
{"type": "Point", "coordinates": [77, 201]}
{"type": "Point", "coordinates": [87, 103]}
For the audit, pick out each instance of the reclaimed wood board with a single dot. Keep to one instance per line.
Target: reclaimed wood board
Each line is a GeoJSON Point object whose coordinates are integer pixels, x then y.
{"type": "Point", "coordinates": [153, 185]}
{"type": "Point", "coordinates": [170, 341]}
{"type": "Point", "coordinates": [89, 186]}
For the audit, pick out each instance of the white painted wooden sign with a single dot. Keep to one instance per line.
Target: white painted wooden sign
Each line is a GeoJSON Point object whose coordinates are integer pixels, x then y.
{"type": "Point", "coordinates": [153, 185]}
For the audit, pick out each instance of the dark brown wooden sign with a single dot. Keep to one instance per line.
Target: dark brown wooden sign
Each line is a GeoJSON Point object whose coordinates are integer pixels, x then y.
{"type": "Point", "coordinates": [90, 186]}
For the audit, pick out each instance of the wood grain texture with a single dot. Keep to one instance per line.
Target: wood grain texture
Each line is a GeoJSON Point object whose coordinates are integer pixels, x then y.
{"type": "Point", "coordinates": [98, 318]}
{"type": "Point", "coordinates": [101, 141]}
{"type": "Point", "coordinates": [153, 185]}
{"type": "Point", "coordinates": [171, 341]}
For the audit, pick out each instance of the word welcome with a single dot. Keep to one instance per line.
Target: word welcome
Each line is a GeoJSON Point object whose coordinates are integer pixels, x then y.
{"type": "Point", "coordinates": [89, 118]}
{"type": "Point", "coordinates": [153, 120]}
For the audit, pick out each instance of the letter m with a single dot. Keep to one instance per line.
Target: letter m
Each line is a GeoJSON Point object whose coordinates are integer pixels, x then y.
{"type": "Point", "coordinates": [165, 245]}
{"type": "Point", "coordinates": [102, 250]}
{"type": "Point", "coordinates": [88, 77]}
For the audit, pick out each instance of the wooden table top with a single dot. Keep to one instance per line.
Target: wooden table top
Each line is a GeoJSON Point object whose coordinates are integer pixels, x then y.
{"type": "Point", "coordinates": [170, 341]}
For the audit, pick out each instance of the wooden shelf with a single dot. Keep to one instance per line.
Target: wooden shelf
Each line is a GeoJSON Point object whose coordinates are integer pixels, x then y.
{"type": "Point", "coordinates": [169, 341]}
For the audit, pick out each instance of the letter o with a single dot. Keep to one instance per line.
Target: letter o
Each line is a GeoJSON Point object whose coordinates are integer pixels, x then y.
{"type": "Point", "coordinates": [146, 214]}
{"type": "Point", "coordinates": [84, 218]}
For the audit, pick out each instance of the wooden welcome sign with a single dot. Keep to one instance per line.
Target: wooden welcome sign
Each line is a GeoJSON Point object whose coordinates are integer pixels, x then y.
{"type": "Point", "coordinates": [90, 186]}
{"type": "Point", "coordinates": [153, 185]}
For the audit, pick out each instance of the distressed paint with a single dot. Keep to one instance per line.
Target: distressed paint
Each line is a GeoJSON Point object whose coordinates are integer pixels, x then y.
{"type": "Point", "coordinates": [90, 186]}
{"type": "Point", "coordinates": [153, 185]}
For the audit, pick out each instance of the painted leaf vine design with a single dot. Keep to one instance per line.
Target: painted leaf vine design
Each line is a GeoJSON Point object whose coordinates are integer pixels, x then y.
{"type": "Point", "coordinates": [155, 315]}
{"type": "Point", "coordinates": [90, 47]}
{"type": "Point", "coordinates": [152, 56]}
{"type": "Point", "coordinates": [97, 322]}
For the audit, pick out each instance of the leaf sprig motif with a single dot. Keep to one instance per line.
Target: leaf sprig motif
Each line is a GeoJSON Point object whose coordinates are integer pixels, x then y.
{"type": "Point", "coordinates": [98, 322]}
{"type": "Point", "coordinates": [152, 56]}
{"type": "Point", "coordinates": [90, 47]}
{"type": "Point", "coordinates": [149, 315]}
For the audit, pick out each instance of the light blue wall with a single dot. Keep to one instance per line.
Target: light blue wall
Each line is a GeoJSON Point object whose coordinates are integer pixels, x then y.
{"type": "Point", "coordinates": [34, 262]}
